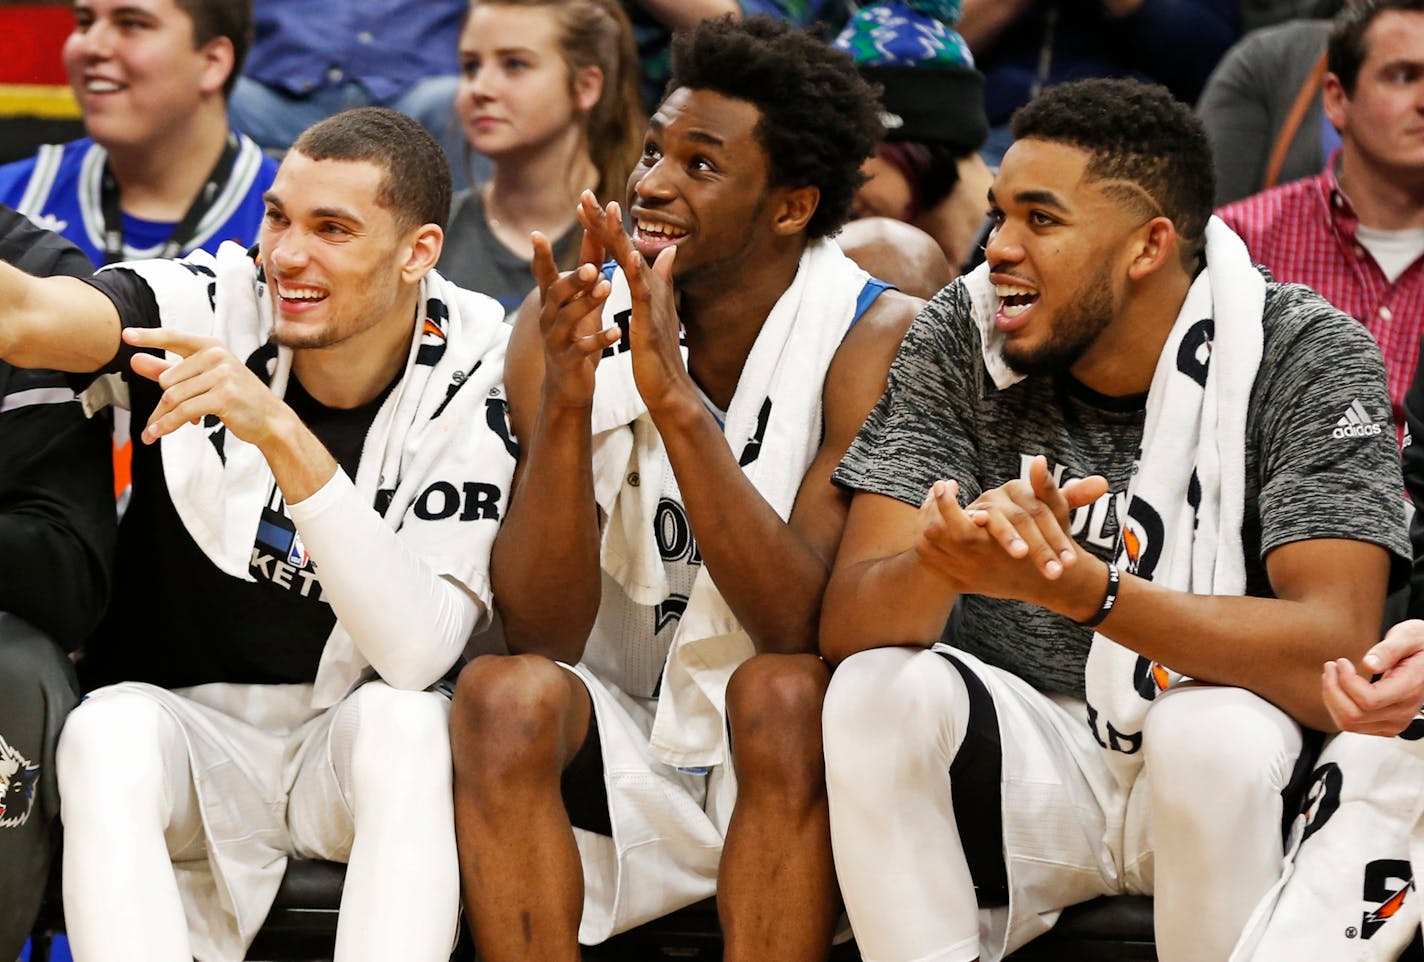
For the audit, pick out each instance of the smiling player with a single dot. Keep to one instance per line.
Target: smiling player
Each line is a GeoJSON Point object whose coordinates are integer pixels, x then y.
{"type": "Point", "coordinates": [595, 777]}
{"type": "Point", "coordinates": [300, 522]}
{"type": "Point", "coordinates": [1116, 424]}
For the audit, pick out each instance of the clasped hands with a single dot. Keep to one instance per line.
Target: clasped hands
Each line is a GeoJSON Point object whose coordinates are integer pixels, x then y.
{"type": "Point", "coordinates": [571, 314]}
{"type": "Point", "coordinates": [1013, 541]}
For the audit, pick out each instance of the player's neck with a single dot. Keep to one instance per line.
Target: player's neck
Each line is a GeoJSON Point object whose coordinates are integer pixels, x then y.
{"type": "Point", "coordinates": [723, 309]}
{"type": "Point", "coordinates": [356, 370]}
{"type": "Point", "coordinates": [1123, 359]}
{"type": "Point", "coordinates": [1381, 199]}
{"type": "Point", "coordinates": [159, 179]}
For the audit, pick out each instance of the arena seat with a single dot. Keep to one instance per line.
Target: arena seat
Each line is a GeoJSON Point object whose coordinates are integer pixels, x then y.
{"type": "Point", "coordinates": [302, 926]}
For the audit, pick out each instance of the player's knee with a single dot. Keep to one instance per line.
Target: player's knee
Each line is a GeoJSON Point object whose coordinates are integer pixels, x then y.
{"type": "Point", "coordinates": [774, 711]}
{"type": "Point", "coordinates": [874, 709]}
{"type": "Point", "coordinates": [32, 665]}
{"type": "Point", "coordinates": [110, 749]}
{"type": "Point", "coordinates": [1226, 738]}
{"type": "Point", "coordinates": [399, 731]}
{"type": "Point", "coordinates": [507, 708]}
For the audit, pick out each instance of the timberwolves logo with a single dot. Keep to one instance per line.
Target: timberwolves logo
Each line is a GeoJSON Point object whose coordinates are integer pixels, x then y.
{"type": "Point", "coordinates": [1322, 799]}
{"type": "Point", "coordinates": [1388, 882]}
{"type": "Point", "coordinates": [1149, 678]}
{"type": "Point", "coordinates": [18, 777]}
{"type": "Point", "coordinates": [1142, 538]}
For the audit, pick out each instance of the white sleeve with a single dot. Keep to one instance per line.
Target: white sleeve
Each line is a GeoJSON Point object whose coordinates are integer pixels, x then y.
{"type": "Point", "coordinates": [409, 622]}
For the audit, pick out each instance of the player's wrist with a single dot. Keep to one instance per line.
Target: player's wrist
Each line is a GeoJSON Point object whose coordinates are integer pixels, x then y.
{"type": "Point", "coordinates": [677, 407]}
{"type": "Point", "coordinates": [1086, 587]}
{"type": "Point", "coordinates": [558, 396]}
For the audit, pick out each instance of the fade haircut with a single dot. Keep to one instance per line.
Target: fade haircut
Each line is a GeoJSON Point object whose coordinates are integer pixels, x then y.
{"type": "Point", "coordinates": [1138, 135]}
{"type": "Point", "coordinates": [1346, 50]}
{"type": "Point", "coordinates": [222, 18]}
{"type": "Point", "coordinates": [819, 118]}
{"type": "Point", "coordinates": [415, 185]}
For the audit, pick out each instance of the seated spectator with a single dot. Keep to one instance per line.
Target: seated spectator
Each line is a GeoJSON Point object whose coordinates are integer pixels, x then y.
{"type": "Point", "coordinates": [300, 529]}
{"type": "Point", "coordinates": [549, 94]}
{"type": "Point", "coordinates": [161, 172]}
{"type": "Point", "coordinates": [664, 694]}
{"type": "Point", "coordinates": [1262, 110]}
{"type": "Point", "coordinates": [1355, 232]}
{"type": "Point", "coordinates": [56, 547]}
{"type": "Point", "coordinates": [1104, 461]}
{"type": "Point", "coordinates": [1024, 46]}
{"type": "Point", "coordinates": [312, 59]}
{"type": "Point", "coordinates": [898, 253]}
{"type": "Point", "coordinates": [927, 172]}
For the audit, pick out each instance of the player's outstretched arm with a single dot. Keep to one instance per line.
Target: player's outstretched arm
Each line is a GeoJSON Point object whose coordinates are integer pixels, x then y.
{"type": "Point", "coordinates": [55, 322]}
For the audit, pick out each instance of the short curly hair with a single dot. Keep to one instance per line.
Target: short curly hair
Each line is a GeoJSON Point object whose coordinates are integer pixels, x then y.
{"type": "Point", "coordinates": [819, 118]}
{"type": "Point", "coordinates": [1134, 132]}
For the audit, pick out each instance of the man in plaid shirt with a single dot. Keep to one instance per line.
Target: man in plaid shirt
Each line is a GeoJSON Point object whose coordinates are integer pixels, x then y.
{"type": "Point", "coordinates": [1355, 232]}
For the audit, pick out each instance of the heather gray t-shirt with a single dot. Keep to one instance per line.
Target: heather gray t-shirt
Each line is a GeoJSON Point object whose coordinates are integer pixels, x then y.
{"type": "Point", "coordinates": [1321, 460]}
{"type": "Point", "coordinates": [474, 258]}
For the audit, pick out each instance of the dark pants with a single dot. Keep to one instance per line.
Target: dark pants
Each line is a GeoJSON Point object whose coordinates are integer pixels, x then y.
{"type": "Point", "coordinates": [37, 689]}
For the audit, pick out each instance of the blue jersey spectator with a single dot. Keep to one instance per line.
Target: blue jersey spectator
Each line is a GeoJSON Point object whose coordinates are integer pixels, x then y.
{"type": "Point", "coordinates": [312, 58]}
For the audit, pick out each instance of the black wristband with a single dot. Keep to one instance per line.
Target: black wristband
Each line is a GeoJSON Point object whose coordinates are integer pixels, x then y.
{"type": "Point", "coordinates": [1109, 599]}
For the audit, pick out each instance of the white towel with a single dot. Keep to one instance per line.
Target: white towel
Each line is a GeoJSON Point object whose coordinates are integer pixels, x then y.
{"type": "Point", "coordinates": [1349, 889]}
{"type": "Point", "coordinates": [774, 426]}
{"type": "Point", "coordinates": [421, 434]}
{"type": "Point", "coordinates": [1186, 501]}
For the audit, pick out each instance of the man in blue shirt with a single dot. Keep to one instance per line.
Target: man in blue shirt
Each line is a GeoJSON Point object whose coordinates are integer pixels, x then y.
{"type": "Point", "coordinates": [311, 59]}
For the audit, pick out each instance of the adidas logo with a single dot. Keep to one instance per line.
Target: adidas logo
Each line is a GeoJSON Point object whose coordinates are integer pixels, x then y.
{"type": "Point", "coordinates": [1356, 423]}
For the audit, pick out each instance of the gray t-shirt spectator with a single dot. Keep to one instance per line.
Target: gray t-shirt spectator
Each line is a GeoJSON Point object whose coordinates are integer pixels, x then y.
{"type": "Point", "coordinates": [942, 417]}
{"type": "Point", "coordinates": [1247, 100]}
{"type": "Point", "coordinates": [474, 258]}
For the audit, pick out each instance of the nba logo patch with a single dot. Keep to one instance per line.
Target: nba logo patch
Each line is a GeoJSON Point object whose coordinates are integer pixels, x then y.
{"type": "Point", "coordinates": [297, 555]}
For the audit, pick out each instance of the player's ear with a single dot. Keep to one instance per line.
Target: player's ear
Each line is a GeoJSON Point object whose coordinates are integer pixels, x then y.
{"type": "Point", "coordinates": [795, 208]}
{"type": "Point", "coordinates": [422, 250]}
{"type": "Point", "coordinates": [1156, 244]}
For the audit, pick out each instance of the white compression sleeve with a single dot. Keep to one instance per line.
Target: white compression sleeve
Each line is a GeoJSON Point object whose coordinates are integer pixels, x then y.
{"type": "Point", "coordinates": [409, 622]}
{"type": "Point", "coordinates": [894, 720]}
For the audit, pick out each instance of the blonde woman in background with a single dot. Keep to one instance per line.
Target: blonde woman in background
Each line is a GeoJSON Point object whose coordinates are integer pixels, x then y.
{"type": "Point", "coordinates": [548, 93]}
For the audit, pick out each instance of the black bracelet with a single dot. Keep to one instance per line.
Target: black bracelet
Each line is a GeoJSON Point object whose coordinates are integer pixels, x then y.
{"type": "Point", "coordinates": [1109, 599]}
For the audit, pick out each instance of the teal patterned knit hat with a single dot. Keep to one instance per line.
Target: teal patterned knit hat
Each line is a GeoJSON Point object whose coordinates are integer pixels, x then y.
{"type": "Point", "coordinates": [931, 91]}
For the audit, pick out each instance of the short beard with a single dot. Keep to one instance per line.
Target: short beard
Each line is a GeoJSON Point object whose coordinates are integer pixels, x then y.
{"type": "Point", "coordinates": [1074, 330]}
{"type": "Point", "coordinates": [308, 341]}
